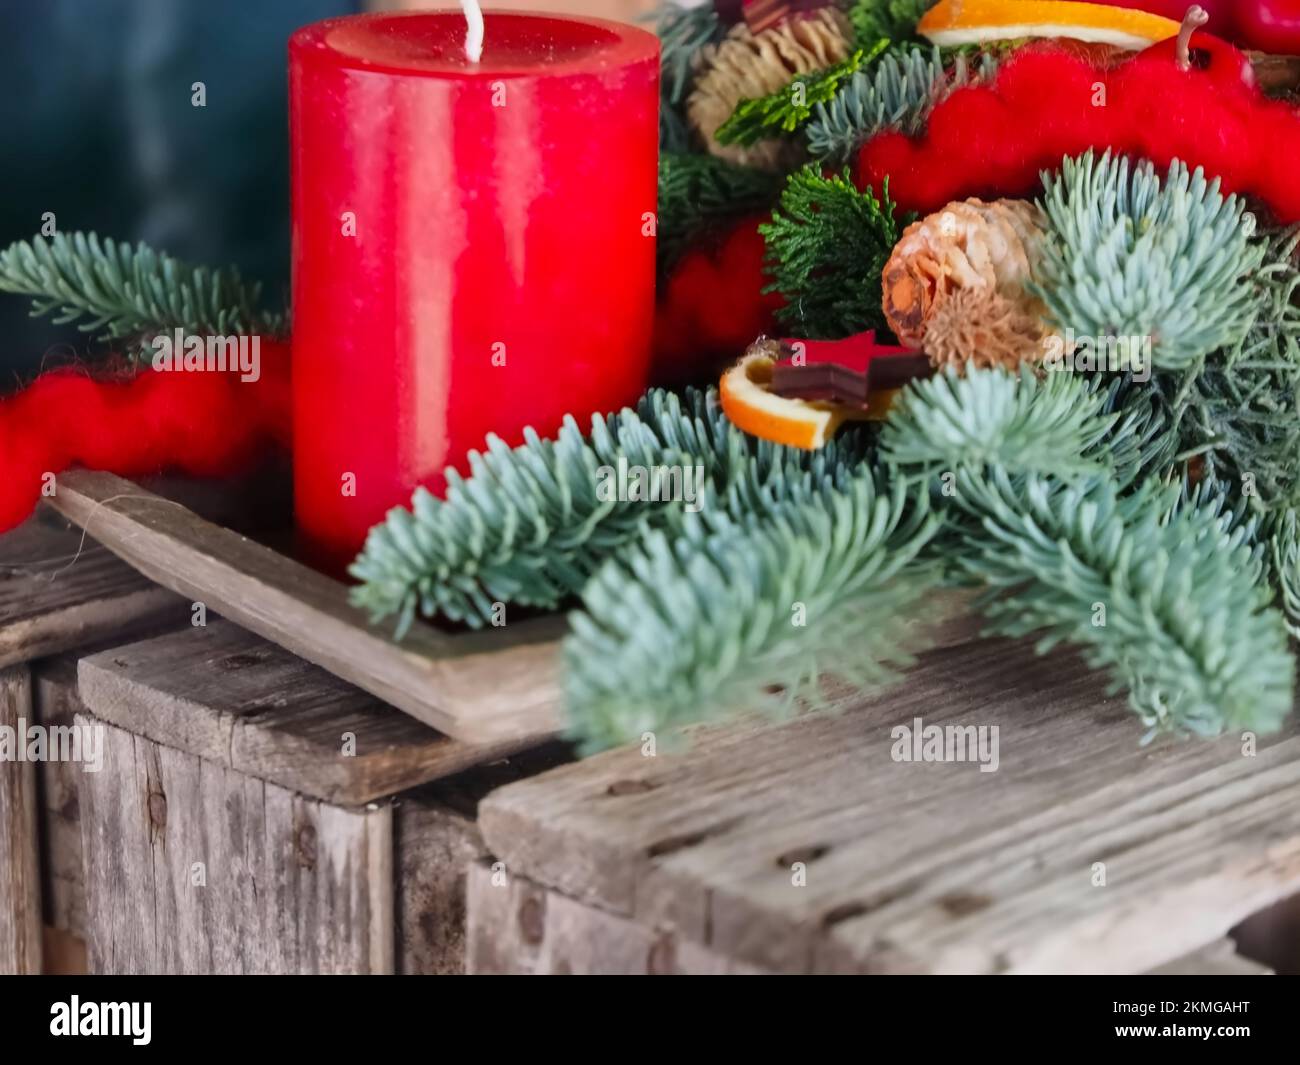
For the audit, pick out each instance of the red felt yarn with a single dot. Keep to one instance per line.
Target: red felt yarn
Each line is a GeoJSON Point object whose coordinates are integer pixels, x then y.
{"type": "Point", "coordinates": [201, 423]}
{"type": "Point", "coordinates": [712, 307]}
{"type": "Point", "coordinates": [1048, 102]}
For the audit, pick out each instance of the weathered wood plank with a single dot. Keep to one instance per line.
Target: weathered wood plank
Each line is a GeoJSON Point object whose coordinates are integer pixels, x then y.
{"type": "Point", "coordinates": [490, 687]}
{"type": "Point", "coordinates": [930, 866]}
{"type": "Point", "coordinates": [60, 590]}
{"type": "Point", "coordinates": [1219, 958]}
{"type": "Point", "coordinates": [55, 704]}
{"type": "Point", "coordinates": [233, 699]}
{"type": "Point", "coordinates": [516, 927]}
{"type": "Point", "coordinates": [434, 847]}
{"type": "Point", "coordinates": [194, 868]}
{"type": "Point", "coordinates": [20, 882]}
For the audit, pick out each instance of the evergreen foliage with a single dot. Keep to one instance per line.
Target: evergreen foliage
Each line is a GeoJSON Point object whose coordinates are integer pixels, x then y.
{"type": "Point", "coordinates": [893, 19]}
{"type": "Point", "coordinates": [898, 92]}
{"type": "Point", "coordinates": [790, 107]}
{"type": "Point", "coordinates": [827, 246]}
{"type": "Point", "coordinates": [726, 616]}
{"type": "Point", "coordinates": [1132, 256]}
{"type": "Point", "coordinates": [697, 192]}
{"type": "Point", "coordinates": [1186, 627]}
{"type": "Point", "coordinates": [529, 525]}
{"type": "Point", "coordinates": [129, 292]}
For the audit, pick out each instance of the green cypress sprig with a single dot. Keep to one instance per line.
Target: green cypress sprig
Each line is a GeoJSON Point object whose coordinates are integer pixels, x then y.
{"type": "Point", "coordinates": [1132, 255]}
{"type": "Point", "coordinates": [827, 246]}
{"type": "Point", "coordinates": [893, 19]}
{"type": "Point", "coordinates": [790, 107]}
{"type": "Point", "coordinates": [129, 292]}
{"type": "Point", "coordinates": [727, 616]}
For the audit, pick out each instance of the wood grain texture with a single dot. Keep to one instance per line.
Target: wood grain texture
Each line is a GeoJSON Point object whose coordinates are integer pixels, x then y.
{"type": "Point", "coordinates": [435, 845]}
{"type": "Point", "coordinates": [517, 927]}
{"type": "Point", "coordinates": [63, 882]}
{"type": "Point", "coordinates": [932, 866]}
{"type": "Point", "coordinates": [20, 879]}
{"type": "Point", "coordinates": [60, 590]}
{"type": "Point", "coordinates": [490, 687]}
{"type": "Point", "coordinates": [238, 701]}
{"type": "Point", "coordinates": [1219, 958]}
{"type": "Point", "coordinates": [290, 885]}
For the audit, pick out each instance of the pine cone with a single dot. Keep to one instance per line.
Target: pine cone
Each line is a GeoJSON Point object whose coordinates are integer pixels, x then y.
{"type": "Point", "coordinates": [746, 66]}
{"type": "Point", "coordinates": [967, 245]}
{"type": "Point", "coordinates": [981, 326]}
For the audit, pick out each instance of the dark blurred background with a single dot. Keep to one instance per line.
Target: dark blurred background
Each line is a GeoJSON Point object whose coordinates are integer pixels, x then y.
{"type": "Point", "coordinates": [99, 128]}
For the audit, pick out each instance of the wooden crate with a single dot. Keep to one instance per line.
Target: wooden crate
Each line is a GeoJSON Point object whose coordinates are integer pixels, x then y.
{"type": "Point", "coordinates": [804, 847]}
{"type": "Point", "coordinates": [58, 591]}
{"type": "Point", "coordinates": [255, 814]}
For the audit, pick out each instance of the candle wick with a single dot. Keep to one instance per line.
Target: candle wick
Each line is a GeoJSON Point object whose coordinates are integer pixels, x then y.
{"type": "Point", "coordinates": [474, 30]}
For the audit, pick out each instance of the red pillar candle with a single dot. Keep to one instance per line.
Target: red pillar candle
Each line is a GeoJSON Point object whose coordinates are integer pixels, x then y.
{"type": "Point", "coordinates": [472, 247]}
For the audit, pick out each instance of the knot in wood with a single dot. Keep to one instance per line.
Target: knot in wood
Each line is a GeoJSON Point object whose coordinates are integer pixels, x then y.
{"type": "Point", "coordinates": [305, 844]}
{"type": "Point", "coordinates": [157, 809]}
{"type": "Point", "coordinates": [531, 920]}
{"type": "Point", "coordinates": [662, 959]}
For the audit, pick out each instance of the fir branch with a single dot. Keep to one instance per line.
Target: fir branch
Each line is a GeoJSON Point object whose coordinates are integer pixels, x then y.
{"type": "Point", "coordinates": [1053, 425]}
{"type": "Point", "coordinates": [892, 19]}
{"type": "Point", "coordinates": [1034, 513]}
{"type": "Point", "coordinates": [529, 525]}
{"type": "Point", "coordinates": [1239, 410]}
{"type": "Point", "coordinates": [899, 92]}
{"type": "Point", "coordinates": [1186, 626]}
{"type": "Point", "coordinates": [1284, 567]}
{"type": "Point", "coordinates": [827, 246]}
{"type": "Point", "coordinates": [682, 32]}
{"type": "Point", "coordinates": [727, 616]}
{"type": "Point", "coordinates": [1131, 256]}
{"type": "Point", "coordinates": [787, 109]}
{"type": "Point", "coordinates": [129, 292]}
{"type": "Point", "coordinates": [698, 191]}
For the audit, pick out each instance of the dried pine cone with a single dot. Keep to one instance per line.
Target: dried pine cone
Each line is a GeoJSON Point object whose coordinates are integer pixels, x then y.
{"type": "Point", "coordinates": [967, 245]}
{"type": "Point", "coordinates": [745, 66]}
{"type": "Point", "coordinates": [983, 327]}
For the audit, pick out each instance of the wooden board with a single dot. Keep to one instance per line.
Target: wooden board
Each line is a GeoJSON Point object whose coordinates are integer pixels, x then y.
{"type": "Point", "coordinates": [490, 687]}
{"type": "Point", "coordinates": [435, 846]}
{"type": "Point", "coordinates": [238, 701]}
{"type": "Point", "coordinates": [289, 884]}
{"type": "Point", "coordinates": [517, 927]}
{"type": "Point", "coordinates": [63, 882]}
{"type": "Point", "coordinates": [60, 590]}
{"type": "Point", "coordinates": [20, 882]}
{"type": "Point", "coordinates": [929, 866]}
{"type": "Point", "coordinates": [1219, 958]}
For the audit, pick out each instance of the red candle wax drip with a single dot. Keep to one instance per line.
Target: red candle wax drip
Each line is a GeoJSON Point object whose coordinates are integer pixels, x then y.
{"type": "Point", "coordinates": [473, 250]}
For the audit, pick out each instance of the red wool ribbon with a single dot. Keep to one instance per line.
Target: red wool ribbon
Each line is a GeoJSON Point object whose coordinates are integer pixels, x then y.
{"type": "Point", "coordinates": [1046, 103]}
{"type": "Point", "coordinates": [712, 307]}
{"type": "Point", "coordinates": [200, 423]}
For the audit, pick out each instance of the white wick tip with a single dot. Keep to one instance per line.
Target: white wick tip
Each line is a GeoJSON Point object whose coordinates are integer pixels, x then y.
{"type": "Point", "coordinates": [474, 30]}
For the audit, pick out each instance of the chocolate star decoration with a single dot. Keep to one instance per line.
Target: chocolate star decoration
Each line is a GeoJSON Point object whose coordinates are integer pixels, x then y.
{"type": "Point", "coordinates": [848, 372]}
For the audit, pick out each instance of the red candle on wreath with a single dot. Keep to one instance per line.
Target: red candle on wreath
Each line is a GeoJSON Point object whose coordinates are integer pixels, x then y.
{"type": "Point", "coordinates": [473, 246]}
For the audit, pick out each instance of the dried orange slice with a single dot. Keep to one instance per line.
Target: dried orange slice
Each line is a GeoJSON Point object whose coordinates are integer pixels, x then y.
{"type": "Point", "coordinates": [956, 22]}
{"type": "Point", "coordinates": [754, 408]}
